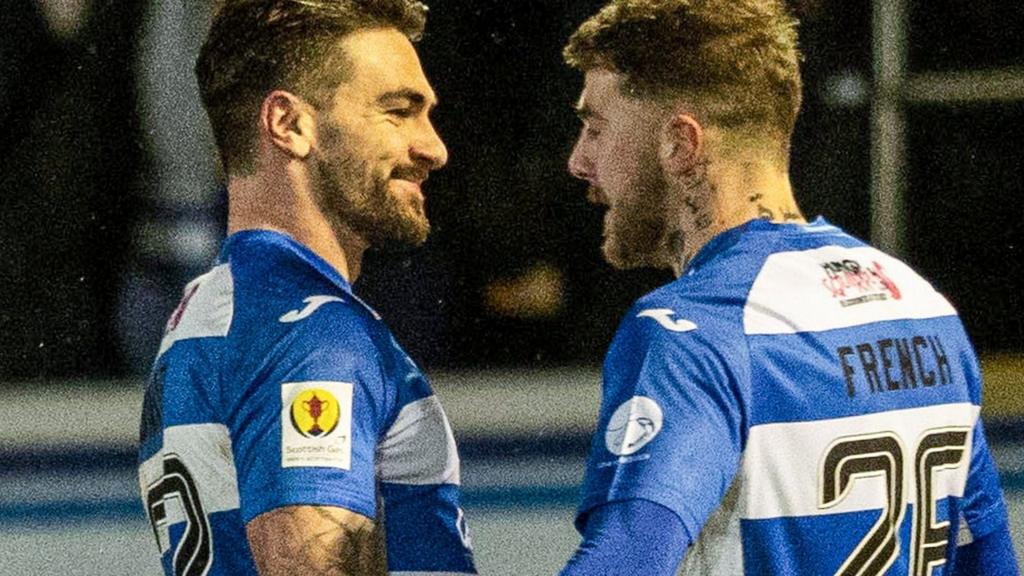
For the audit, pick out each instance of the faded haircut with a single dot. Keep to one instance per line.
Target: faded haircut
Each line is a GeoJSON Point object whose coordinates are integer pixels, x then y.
{"type": "Point", "coordinates": [735, 61]}
{"type": "Point", "coordinates": [257, 46]}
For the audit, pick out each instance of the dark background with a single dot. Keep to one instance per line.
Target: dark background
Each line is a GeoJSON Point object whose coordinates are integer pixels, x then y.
{"type": "Point", "coordinates": [81, 296]}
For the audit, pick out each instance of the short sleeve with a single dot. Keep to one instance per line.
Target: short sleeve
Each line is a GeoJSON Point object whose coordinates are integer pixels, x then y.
{"type": "Point", "coordinates": [305, 425]}
{"type": "Point", "coordinates": [670, 426]}
{"type": "Point", "coordinates": [982, 505]}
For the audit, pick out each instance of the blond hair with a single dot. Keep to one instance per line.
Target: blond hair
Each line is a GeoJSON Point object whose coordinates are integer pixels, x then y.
{"type": "Point", "coordinates": [736, 61]}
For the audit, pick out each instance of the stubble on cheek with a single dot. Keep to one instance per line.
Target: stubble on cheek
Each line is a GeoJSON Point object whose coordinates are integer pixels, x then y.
{"type": "Point", "coordinates": [635, 229]}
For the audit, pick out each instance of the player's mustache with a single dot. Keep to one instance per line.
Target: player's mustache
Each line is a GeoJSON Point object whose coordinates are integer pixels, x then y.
{"type": "Point", "coordinates": [410, 173]}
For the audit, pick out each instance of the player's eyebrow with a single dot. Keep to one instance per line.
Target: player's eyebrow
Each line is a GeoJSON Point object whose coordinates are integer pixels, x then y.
{"type": "Point", "coordinates": [416, 98]}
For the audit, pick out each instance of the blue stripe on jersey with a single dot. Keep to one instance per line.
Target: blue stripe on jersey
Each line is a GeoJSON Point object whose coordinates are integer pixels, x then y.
{"type": "Point", "coordinates": [863, 369]}
{"type": "Point", "coordinates": [425, 529]}
{"type": "Point", "coordinates": [231, 554]}
{"type": "Point", "coordinates": [821, 544]}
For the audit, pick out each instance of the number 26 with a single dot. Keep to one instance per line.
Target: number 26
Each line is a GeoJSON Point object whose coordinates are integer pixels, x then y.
{"type": "Point", "coordinates": [848, 459]}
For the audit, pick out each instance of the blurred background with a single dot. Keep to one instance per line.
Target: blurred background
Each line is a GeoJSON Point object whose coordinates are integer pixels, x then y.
{"type": "Point", "coordinates": [911, 135]}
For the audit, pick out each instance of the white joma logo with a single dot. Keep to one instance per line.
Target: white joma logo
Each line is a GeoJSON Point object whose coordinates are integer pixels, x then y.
{"type": "Point", "coordinates": [312, 303]}
{"type": "Point", "coordinates": [663, 317]}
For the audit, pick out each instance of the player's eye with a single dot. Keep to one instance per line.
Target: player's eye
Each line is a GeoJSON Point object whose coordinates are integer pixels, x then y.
{"type": "Point", "coordinates": [402, 113]}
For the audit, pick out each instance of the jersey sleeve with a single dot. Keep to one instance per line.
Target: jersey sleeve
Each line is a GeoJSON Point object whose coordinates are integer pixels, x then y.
{"type": "Point", "coordinates": [630, 537]}
{"type": "Point", "coordinates": [671, 420]}
{"type": "Point", "coordinates": [305, 426]}
{"type": "Point", "coordinates": [982, 507]}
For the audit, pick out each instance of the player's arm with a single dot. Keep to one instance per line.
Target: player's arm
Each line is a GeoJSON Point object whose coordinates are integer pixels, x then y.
{"type": "Point", "coordinates": [630, 537]}
{"type": "Point", "coordinates": [322, 540]}
{"type": "Point", "coordinates": [989, 548]}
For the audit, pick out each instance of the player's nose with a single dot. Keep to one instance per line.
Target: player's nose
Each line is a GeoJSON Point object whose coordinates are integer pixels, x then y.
{"type": "Point", "coordinates": [579, 163]}
{"type": "Point", "coordinates": [429, 148]}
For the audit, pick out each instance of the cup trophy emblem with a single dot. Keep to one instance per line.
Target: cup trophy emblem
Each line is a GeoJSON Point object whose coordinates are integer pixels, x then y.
{"type": "Point", "coordinates": [314, 413]}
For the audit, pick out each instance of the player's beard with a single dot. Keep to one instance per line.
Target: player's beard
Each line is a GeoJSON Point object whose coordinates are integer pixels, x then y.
{"type": "Point", "coordinates": [635, 230]}
{"type": "Point", "coordinates": [354, 197]}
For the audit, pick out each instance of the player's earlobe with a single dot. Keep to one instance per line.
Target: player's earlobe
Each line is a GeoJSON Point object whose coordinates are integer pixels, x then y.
{"type": "Point", "coordinates": [288, 124]}
{"type": "Point", "coordinates": [681, 143]}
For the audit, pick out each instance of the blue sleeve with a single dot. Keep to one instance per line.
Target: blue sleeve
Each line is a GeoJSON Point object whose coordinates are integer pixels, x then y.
{"type": "Point", "coordinates": [671, 423]}
{"type": "Point", "coordinates": [306, 426]}
{"type": "Point", "coordinates": [630, 537]}
{"type": "Point", "coordinates": [990, 555]}
{"type": "Point", "coordinates": [982, 505]}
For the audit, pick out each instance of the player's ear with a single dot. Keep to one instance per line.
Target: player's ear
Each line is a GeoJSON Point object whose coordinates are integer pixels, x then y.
{"type": "Point", "coordinates": [680, 143]}
{"type": "Point", "coordinates": [288, 123]}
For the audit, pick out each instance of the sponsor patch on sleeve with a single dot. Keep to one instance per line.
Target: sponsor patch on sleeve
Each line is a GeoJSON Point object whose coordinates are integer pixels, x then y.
{"type": "Point", "coordinates": [316, 424]}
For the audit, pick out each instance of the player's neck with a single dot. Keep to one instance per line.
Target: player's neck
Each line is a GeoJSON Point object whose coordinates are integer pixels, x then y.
{"type": "Point", "coordinates": [284, 203]}
{"type": "Point", "coordinates": [738, 192]}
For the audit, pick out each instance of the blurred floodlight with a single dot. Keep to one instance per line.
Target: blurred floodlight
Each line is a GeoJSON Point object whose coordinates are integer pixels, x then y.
{"type": "Point", "coordinates": [846, 89]}
{"type": "Point", "coordinates": [64, 17]}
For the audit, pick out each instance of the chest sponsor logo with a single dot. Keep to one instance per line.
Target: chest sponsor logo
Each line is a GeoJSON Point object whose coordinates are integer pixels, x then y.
{"type": "Point", "coordinates": [851, 282]}
{"type": "Point", "coordinates": [313, 303]}
{"type": "Point", "coordinates": [633, 425]}
{"type": "Point", "coordinates": [663, 316]}
{"type": "Point", "coordinates": [316, 424]}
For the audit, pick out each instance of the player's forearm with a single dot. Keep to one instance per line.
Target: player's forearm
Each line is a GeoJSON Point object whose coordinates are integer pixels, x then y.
{"type": "Point", "coordinates": [320, 540]}
{"type": "Point", "coordinates": [630, 537]}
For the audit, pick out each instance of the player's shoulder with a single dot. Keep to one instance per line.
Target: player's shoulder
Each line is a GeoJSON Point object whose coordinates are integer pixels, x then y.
{"type": "Point", "coordinates": [286, 299]}
{"type": "Point", "coordinates": [681, 321]}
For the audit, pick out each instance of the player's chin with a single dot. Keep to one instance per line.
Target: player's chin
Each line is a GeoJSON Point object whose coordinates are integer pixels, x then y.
{"type": "Point", "coordinates": [410, 231]}
{"type": "Point", "coordinates": [627, 257]}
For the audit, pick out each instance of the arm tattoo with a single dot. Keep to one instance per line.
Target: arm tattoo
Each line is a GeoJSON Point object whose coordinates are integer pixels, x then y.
{"type": "Point", "coordinates": [316, 540]}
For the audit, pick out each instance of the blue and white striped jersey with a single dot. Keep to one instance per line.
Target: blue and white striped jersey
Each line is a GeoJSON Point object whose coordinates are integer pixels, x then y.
{"type": "Point", "coordinates": [805, 404]}
{"type": "Point", "coordinates": [274, 386]}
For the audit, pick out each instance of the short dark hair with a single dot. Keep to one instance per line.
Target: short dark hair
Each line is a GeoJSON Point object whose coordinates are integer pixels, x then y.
{"type": "Point", "coordinates": [736, 59]}
{"type": "Point", "coordinates": [257, 46]}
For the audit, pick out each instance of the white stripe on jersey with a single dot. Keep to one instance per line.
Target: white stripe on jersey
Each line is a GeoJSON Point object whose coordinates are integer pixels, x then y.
{"type": "Point", "coordinates": [782, 462]}
{"type": "Point", "coordinates": [206, 453]}
{"type": "Point", "coordinates": [208, 306]}
{"type": "Point", "coordinates": [807, 291]}
{"type": "Point", "coordinates": [719, 547]}
{"type": "Point", "coordinates": [419, 448]}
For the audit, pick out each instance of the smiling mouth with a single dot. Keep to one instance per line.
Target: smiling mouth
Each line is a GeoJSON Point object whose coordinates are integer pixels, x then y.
{"type": "Point", "coordinates": [410, 178]}
{"type": "Point", "coordinates": [409, 185]}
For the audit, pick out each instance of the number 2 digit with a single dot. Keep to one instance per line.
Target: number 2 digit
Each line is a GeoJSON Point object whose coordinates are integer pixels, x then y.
{"type": "Point", "coordinates": [194, 553]}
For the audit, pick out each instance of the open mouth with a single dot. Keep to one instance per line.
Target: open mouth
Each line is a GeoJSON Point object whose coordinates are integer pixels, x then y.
{"type": "Point", "coordinates": [596, 196]}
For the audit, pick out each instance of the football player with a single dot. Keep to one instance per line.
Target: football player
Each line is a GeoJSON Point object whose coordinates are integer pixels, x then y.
{"type": "Point", "coordinates": [796, 401]}
{"type": "Point", "coordinates": [284, 430]}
